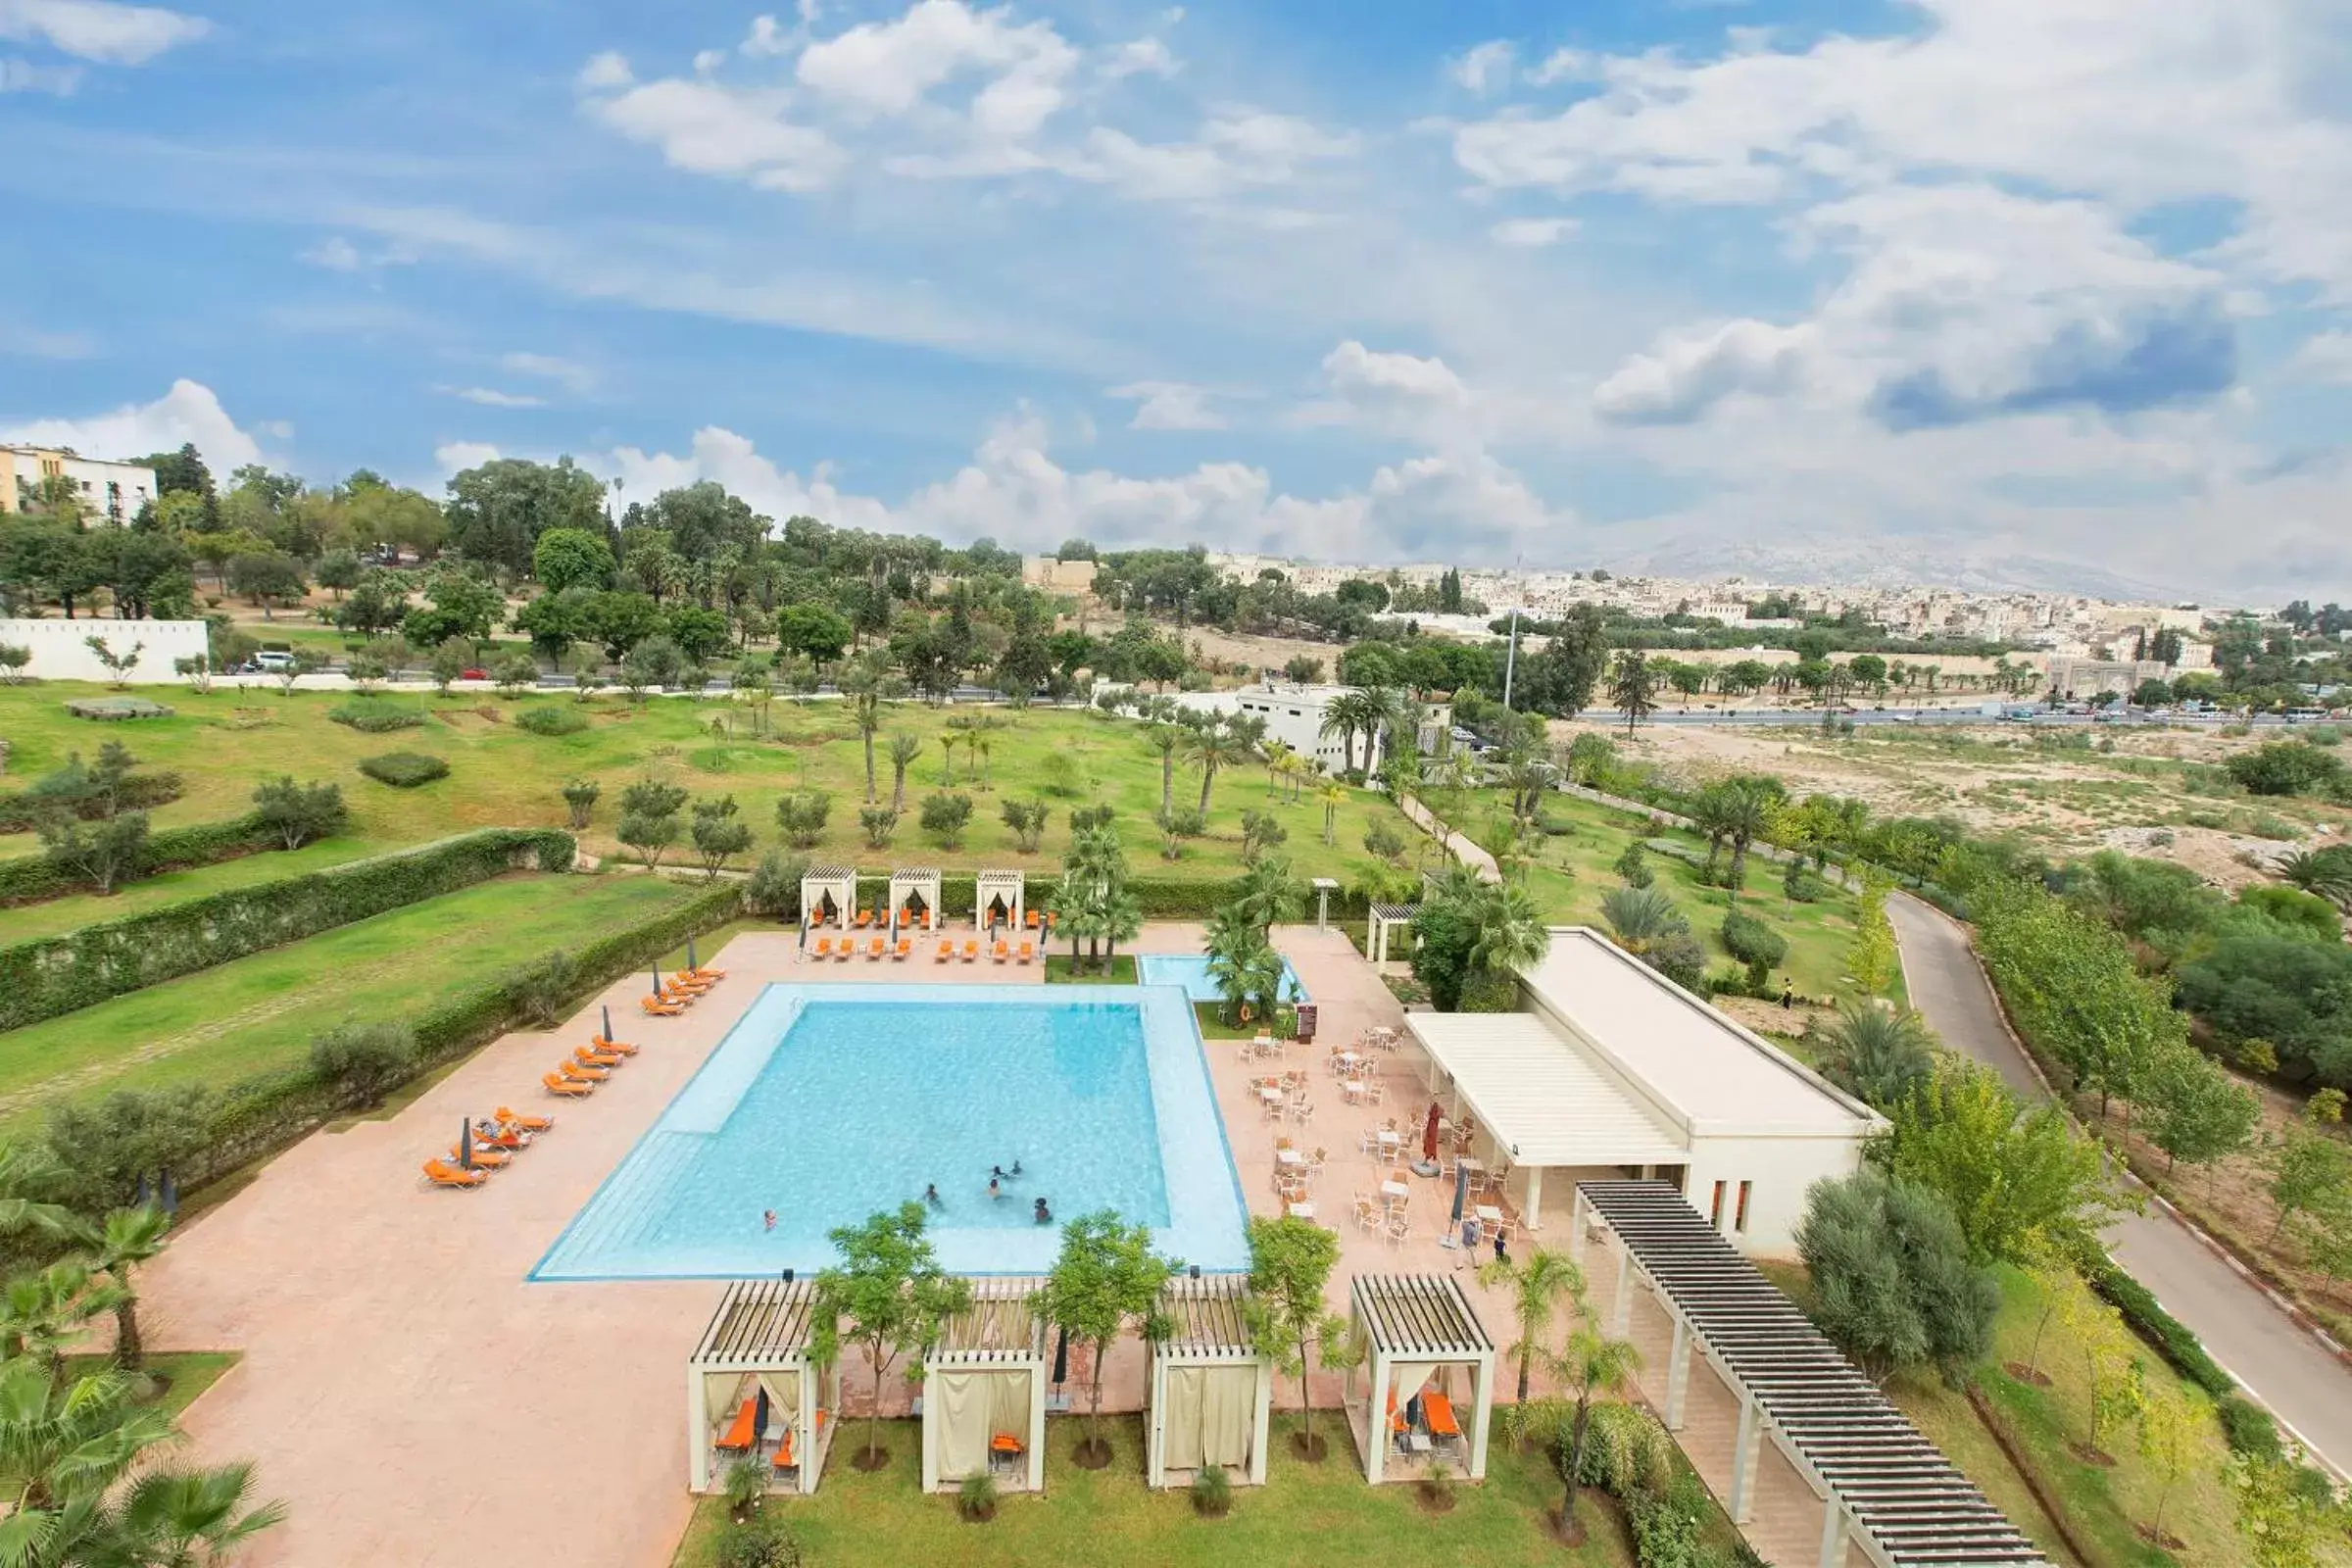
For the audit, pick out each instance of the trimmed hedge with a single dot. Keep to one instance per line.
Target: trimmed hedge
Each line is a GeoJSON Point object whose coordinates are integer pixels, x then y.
{"type": "Point", "coordinates": [550, 720]}
{"type": "Point", "coordinates": [1161, 898]}
{"type": "Point", "coordinates": [20, 812]}
{"type": "Point", "coordinates": [2165, 1334]}
{"type": "Point", "coordinates": [272, 1111]}
{"type": "Point", "coordinates": [405, 771]}
{"type": "Point", "coordinates": [377, 716]}
{"type": "Point", "coordinates": [30, 878]}
{"type": "Point", "coordinates": [52, 975]}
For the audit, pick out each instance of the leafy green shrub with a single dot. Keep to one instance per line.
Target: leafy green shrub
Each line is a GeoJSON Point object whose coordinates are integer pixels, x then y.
{"type": "Point", "coordinates": [1632, 865]}
{"type": "Point", "coordinates": [53, 975]}
{"type": "Point", "coordinates": [27, 879]}
{"type": "Point", "coordinates": [377, 716]}
{"type": "Point", "coordinates": [977, 1499]}
{"type": "Point", "coordinates": [548, 720]}
{"type": "Point", "coordinates": [2287, 768]}
{"type": "Point", "coordinates": [1892, 1272]}
{"type": "Point", "coordinates": [1667, 1524]}
{"type": "Point", "coordinates": [362, 1060]}
{"type": "Point", "coordinates": [405, 771]}
{"type": "Point", "coordinates": [295, 815]}
{"type": "Point", "coordinates": [579, 800]}
{"type": "Point", "coordinates": [943, 817]}
{"type": "Point", "coordinates": [1751, 941]}
{"type": "Point", "coordinates": [2323, 735]}
{"type": "Point", "coordinates": [1679, 957]}
{"type": "Point", "coordinates": [2248, 1428]}
{"type": "Point", "coordinates": [69, 788]}
{"type": "Point", "coordinates": [1799, 884]}
{"type": "Point", "coordinates": [763, 1543]}
{"type": "Point", "coordinates": [774, 888]}
{"type": "Point", "coordinates": [1627, 1452]}
{"type": "Point", "coordinates": [745, 1484]}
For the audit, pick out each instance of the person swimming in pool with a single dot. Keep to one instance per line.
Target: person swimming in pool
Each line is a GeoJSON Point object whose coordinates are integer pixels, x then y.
{"type": "Point", "coordinates": [1045, 1216]}
{"type": "Point", "coordinates": [768, 1219]}
{"type": "Point", "coordinates": [931, 1196]}
{"type": "Point", "coordinates": [995, 1189]}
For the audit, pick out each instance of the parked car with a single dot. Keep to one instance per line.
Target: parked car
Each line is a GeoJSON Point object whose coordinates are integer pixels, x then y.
{"type": "Point", "coordinates": [474, 674]}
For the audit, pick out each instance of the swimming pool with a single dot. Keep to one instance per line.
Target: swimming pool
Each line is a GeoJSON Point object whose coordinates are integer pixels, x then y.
{"type": "Point", "coordinates": [1191, 971]}
{"type": "Point", "coordinates": [829, 1103]}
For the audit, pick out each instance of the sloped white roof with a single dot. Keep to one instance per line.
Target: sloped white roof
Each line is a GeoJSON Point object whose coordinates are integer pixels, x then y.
{"type": "Point", "coordinates": [1538, 1095]}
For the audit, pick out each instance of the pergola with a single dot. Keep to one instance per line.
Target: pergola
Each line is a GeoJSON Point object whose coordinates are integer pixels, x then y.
{"type": "Point", "coordinates": [756, 1355]}
{"type": "Point", "coordinates": [1422, 1334]}
{"type": "Point", "coordinates": [1881, 1482]}
{"type": "Point", "coordinates": [1387, 920]}
{"type": "Point", "coordinates": [916, 890]}
{"type": "Point", "coordinates": [997, 896]}
{"type": "Point", "coordinates": [984, 1390]}
{"type": "Point", "coordinates": [1210, 1392]}
{"type": "Point", "coordinates": [828, 893]}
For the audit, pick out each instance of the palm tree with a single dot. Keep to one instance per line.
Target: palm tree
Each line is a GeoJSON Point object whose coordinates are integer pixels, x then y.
{"type": "Point", "coordinates": [1333, 796]}
{"type": "Point", "coordinates": [1639, 916]}
{"type": "Point", "coordinates": [1214, 745]}
{"type": "Point", "coordinates": [1342, 716]}
{"type": "Point", "coordinates": [181, 1518]}
{"type": "Point", "coordinates": [41, 1313]}
{"type": "Point", "coordinates": [65, 1444]}
{"type": "Point", "coordinates": [1294, 769]}
{"type": "Point", "coordinates": [902, 751]}
{"type": "Point", "coordinates": [2325, 873]}
{"type": "Point", "coordinates": [981, 741]}
{"type": "Point", "coordinates": [1510, 929]}
{"type": "Point", "coordinates": [1379, 720]}
{"type": "Point", "coordinates": [1539, 1282]}
{"type": "Point", "coordinates": [129, 1238]}
{"type": "Point", "coordinates": [1167, 740]}
{"type": "Point", "coordinates": [1266, 893]}
{"type": "Point", "coordinates": [864, 686]}
{"type": "Point", "coordinates": [1747, 813]}
{"type": "Point", "coordinates": [1244, 973]}
{"type": "Point", "coordinates": [1880, 1054]}
{"type": "Point", "coordinates": [1592, 1363]}
{"type": "Point", "coordinates": [1275, 755]}
{"type": "Point", "coordinates": [1711, 811]}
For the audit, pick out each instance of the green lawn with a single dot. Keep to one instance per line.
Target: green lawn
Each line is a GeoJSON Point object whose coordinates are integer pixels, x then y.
{"type": "Point", "coordinates": [260, 1012]}
{"type": "Point", "coordinates": [502, 776]}
{"type": "Point", "coordinates": [1119, 972]}
{"type": "Point", "coordinates": [183, 1375]}
{"type": "Point", "coordinates": [1305, 1515]}
{"type": "Point", "coordinates": [1571, 872]}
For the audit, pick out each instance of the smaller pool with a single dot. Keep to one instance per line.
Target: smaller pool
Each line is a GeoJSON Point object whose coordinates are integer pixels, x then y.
{"type": "Point", "coordinates": [1191, 971]}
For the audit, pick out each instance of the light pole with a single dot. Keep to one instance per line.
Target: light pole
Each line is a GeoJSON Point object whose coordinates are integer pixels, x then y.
{"type": "Point", "coordinates": [1511, 659]}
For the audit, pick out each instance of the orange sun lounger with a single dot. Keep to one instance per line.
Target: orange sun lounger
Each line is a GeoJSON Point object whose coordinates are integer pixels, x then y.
{"type": "Point", "coordinates": [594, 1058]}
{"type": "Point", "coordinates": [1437, 1411]}
{"type": "Point", "coordinates": [1002, 951]}
{"type": "Point", "coordinates": [682, 983]}
{"type": "Point", "coordinates": [443, 1174]}
{"type": "Point", "coordinates": [1028, 951]}
{"type": "Point", "coordinates": [558, 1084]}
{"type": "Point", "coordinates": [738, 1436]}
{"type": "Point", "coordinates": [600, 1043]}
{"type": "Point", "coordinates": [824, 947]}
{"type": "Point", "coordinates": [875, 948]}
{"type": "Point", "coordinates": [659, 1007]}
{"type": "Point", "coordinates": [899, 953]}
{"type": "Point", "coordinates": [529, 1124]}
{"type": "Point", "coordinates": [487, 1158]}
{"type": "Point", "coordinates": [971, 950]}
{"type": "Point", "coordinates": [705, 973]}
{"type": "Point", "coordinates": [581, 1072]}
{"type": "Point", "coordinates": [1030, 918]}
{"type": "Point", "coordinates": [946, 950]}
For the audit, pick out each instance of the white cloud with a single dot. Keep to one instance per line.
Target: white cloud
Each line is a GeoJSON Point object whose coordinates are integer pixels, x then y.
{"type": "Point", "coordinates": [100, 30]}
{"type": "Point", "coordinates": [189, 412]}
{"type": "Point", "coordinates": [768, 40]}
{"type": "Point", "coordinates": [1533, 233]}
{"type": "Point", "coordinates": [888, 68]}
{"type": "Point", "coordinates": [567, 373]}
{"type": "Point", "coordinates": [334, 253]}
{"type": "Point", "coordinates": [23, 75]}
{"type": "Point", "coordinates": [1357, 372]}
{"type": "Point", "coordinates": [1169, 406]}
{"type": "Point", "coordinates": [1690, 371]}
{"type": "Point", "coordinates": [1140, 57]}
{"type": "Point", "coordinates": [713, 129]}
{"type": "Point", "coordinates": [452, 457]}
{"type": "Point", "coordinates": [608, 69]}
{"type": "Point", "coordinates": [1484, 68]}
{"type": "Point", "coordinates": [490, 397]}
{"type": "Point", "coordinates": [2327, 357]}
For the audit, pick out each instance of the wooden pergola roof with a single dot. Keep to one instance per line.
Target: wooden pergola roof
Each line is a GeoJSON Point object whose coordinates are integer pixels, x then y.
{"type": "Point", "coordinates": [1004, 1328]}
{"type": "Point", "coordinates": [760, 1323]}
{"type": "Point", "coordinates": [1422, 1318]}
{"type": "Point", "coordinates": [1911, 1503]}
{"type": "Point", "coordinates": [1207, 1319]}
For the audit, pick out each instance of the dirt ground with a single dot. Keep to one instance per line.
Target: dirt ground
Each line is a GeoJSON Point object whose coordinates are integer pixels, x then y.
{"type": "Point", "coordinates": [2142, 795]}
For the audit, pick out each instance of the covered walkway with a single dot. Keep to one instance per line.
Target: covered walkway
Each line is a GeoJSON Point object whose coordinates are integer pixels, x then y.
{"type": "Point", "coordinates": [1881, 1485]}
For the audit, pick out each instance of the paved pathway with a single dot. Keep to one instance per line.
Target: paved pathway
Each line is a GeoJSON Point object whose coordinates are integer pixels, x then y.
{"type": "Point", "coordinates": [1459, 847]}
{"type": "Point", "coordinates": [2284, 1366]}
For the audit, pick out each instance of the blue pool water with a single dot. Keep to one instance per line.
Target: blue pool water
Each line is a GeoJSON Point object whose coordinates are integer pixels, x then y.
{"type": "Point", "coordinates": [829, 1103]}
{"type": "Point", "coordinates": [1191, 971]}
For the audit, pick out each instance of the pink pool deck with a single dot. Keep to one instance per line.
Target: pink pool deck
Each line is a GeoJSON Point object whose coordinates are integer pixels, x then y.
{"type": "Point", "coordinates": [412, 1397]}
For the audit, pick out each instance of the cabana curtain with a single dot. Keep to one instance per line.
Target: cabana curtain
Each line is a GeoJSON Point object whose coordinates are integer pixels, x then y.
{"type": "Point", "coordinates": [963, 1422]}
{"type": "Point", "coordinates": [1180, 1422]}
{"type": "Point", "coordinates": [1405, 1379]}
{"type": "Point", "coordinates": [783, 1397]}
{"type": "Point", "coordinates": [1210, 1418]}
{"type": "Point", "coordinates": [720, 1391]}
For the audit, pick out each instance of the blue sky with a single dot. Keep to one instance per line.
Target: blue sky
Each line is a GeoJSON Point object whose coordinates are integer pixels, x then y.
{"type": "Point", "coordinates": [2011, 291]}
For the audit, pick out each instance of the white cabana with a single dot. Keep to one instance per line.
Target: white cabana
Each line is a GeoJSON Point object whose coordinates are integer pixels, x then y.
{"type": "Point", "coordinates": [1543, 1105]}
{"type": "Point", "coordinates": [752, 1393]}
{"type": "Point", "coordinates": [828, 896]}
{"type": "Point", "coordinates": [1389, 922]}
{"type": "Point", "coordinates": [1209, 1394]}
{"type": "Point", "coordinates": [914, 898]}
{"type": "Point", "coordinates": [997, 900]}
{"type": "Point", "coordinates": [1432, 1372]}
{"type": "Point", "coordinates": [984, 1390]}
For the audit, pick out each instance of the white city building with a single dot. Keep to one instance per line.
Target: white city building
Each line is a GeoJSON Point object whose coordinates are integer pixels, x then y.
{"type": "Point", "coordinates": [1608, 1069]}
{"type": "Point", "coordinates": [111, 492]}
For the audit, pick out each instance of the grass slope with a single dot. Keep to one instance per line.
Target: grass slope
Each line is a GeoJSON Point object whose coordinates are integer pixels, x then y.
{"type": "Point", "coordinates": [261, 1012]}
{"type": "Point", "coordinates": [1304, 1514]}
{"type": "Point", "coordinates": [501, 776]}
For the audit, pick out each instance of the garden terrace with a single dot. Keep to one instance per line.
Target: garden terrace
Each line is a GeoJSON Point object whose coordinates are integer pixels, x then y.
{"type": "Point", "coordinates": [1881, 1483]}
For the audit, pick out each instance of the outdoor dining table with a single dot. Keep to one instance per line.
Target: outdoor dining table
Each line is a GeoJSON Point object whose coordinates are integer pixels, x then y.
{"type": "Point", "coordinates": [1288, 1156]}
{"type": "Point", "coordinates": [1272, 1097]}
{"type": "Point", "coordinates": [1394, 1190]}
{"type": "Point", "coordinates": [1352, 1087]}
{"type": "Point", "coordinates": [1388, 1136]}
{"type": "Point", "coordinates": [1489, 1214]}
{"type": "Point", "coordinates": [1300, 1209]}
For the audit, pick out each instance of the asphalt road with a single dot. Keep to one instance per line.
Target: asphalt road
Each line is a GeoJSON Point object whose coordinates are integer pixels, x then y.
{"type": "Point", "coordinates": [2279, 1362]}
